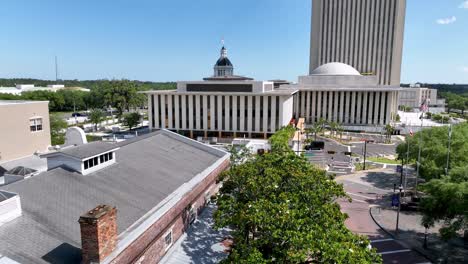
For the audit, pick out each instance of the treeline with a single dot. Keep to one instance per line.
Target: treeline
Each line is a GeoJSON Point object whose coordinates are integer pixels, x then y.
{"type": "Point", "coordinates": [119, 94]}
{"type": "Point", "coordinates": [455, 101]}
{"type": "Point", "coordinates": [90, 84]}
{"type": "Point", "coordinates": [461, 89]}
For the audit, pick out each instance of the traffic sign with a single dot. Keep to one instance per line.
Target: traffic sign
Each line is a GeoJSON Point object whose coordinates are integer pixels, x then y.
{"type": "Point", "coordinates": [398, 168]}
{"type": "Point", "coordinates": [395, 200]}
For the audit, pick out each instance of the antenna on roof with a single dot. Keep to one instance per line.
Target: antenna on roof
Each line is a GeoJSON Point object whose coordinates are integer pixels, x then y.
{"type": "Point", "coordinates": [56, 70]}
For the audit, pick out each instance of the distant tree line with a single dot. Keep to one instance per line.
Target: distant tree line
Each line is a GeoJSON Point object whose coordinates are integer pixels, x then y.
{"type": "Point", "coordinates": [453, 88]}
{"type": "Point", "coordinates": [90, 84]}
{"type": "Point", "coordinates": [119, 94]}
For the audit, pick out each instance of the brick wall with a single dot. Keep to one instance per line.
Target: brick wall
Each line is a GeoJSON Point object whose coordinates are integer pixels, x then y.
{"type": "Point", "coordinates": [150, 246]}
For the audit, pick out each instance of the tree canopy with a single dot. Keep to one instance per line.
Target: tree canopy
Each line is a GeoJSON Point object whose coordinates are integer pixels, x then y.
{"type": "Point", "coordinates": [120, 94]}
{"type": "Point", "coordinates": [58, 127]}
{"type": "Point", "coordinates": [283, 210]}
{"type": "Point", "coordinates": [446, 195]}
{"type": "Point", "coordinates": [132, 119]}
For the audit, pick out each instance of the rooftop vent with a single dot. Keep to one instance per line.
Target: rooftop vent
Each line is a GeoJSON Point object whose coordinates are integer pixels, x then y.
{"type": "Point", "coordinates": [10, 206]}
{"type": "Point", "coordinates": [18, 173]}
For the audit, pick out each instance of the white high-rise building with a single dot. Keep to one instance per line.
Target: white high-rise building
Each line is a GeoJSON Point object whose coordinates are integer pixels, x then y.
{"type": "Point", "coordinates": [366, 34]}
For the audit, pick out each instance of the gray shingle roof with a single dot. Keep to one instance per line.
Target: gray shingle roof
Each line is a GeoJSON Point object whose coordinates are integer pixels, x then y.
{"type": "Point", "coordinates": [148, 169]}
{"type": "Point", "coordinates": [89, 150]}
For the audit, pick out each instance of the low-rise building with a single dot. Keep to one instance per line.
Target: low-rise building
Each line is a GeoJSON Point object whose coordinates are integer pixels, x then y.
{"type": "Point", "coordinates": [145, 193]}
{"type": "Point", "coordinates": [416, 96]}
{"type": "Point", "coordinates": [21, 88]}
{"type": "Point", "coordinates": [24, 127]}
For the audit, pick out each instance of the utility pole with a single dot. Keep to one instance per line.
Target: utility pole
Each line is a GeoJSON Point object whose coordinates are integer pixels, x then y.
{"type": "Point", "coordinates": [56, 70]}
{"type": "Point", "coordinates": [448, 149]}
{"type": "Point", "coordinates": [399, 208]}
{"type": "Point", "coordinates": [418, 163]}
{"type": "Point", "coordinates": [407, 160]}
{"type": "Point", "coordinates": [365, 152]}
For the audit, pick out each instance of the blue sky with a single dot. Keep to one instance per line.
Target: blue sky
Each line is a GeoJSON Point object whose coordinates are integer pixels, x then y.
{"type": "Point", "coordinates": [180, 39]}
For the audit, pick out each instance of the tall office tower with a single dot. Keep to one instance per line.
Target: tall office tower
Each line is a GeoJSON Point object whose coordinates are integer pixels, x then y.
{"type": "Point", "coordinates": [366, 34]}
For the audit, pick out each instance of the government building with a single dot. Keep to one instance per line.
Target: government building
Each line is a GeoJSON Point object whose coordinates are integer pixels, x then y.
{"type": "Point", "coordinates": [354, 80]}
{"type": "Point", "coordinates": [224, 105]}
{"type": "Point", "coordinates": [336, 92]}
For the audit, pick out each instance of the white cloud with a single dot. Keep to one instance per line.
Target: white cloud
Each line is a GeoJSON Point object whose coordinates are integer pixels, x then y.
{"type": "Point", "coordinates": [465, 69]}
{"type": "Point", "coordinates": [446, 21]}
{"type": "Point", "coordinates": [464, 5]}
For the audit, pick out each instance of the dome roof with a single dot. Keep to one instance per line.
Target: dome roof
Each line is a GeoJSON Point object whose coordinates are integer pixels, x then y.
{"type": "Point", "coordinates": [335, 68]}
{"type": "Point", "coordinates": [223, 61]}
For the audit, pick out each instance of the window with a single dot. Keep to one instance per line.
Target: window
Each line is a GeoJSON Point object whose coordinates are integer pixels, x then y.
{"type": "Point", "coordinates": [168, 239]}
{"type": "Point", "coordinates": [89, 163]}
{"type": "Point", "coordinates": [192, 214]}
{"type": "Point", "coordinates": [35, 124]}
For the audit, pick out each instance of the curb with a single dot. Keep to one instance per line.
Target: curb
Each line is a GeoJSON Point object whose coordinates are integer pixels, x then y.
{"type": "Point", "coordinates": [377, 223]}
{"type": "Point", "coordinates": [395, 238]}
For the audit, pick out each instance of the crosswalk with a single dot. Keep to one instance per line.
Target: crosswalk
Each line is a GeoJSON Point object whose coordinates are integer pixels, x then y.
{"type": "Point", "coordinates": [394, 252]}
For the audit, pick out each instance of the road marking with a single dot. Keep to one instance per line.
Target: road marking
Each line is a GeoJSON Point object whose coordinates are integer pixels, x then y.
{"type": "Point", "coordinates": [394, 251]}
{"type": "Point", "coordinates": [363, 196]}
{"type": "Point", "coordinates": [357, 200]}
{"type": "Point", "coordinates": [349, 148]}
{"type": "Point", "coordinates": [382, 240]}
{"type": "Point", "coordinates": [337, 171]}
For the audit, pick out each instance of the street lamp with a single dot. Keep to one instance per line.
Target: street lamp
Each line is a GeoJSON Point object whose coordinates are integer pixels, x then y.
{"type": "Point", "coordinates": [399, 208]}
{"type": "Point", "coordinates": [426, 226]}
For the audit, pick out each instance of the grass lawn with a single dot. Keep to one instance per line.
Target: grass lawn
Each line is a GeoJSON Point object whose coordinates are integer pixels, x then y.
{"type": "Point", "coordinates": [383, 160]}
{"type": "Point", "coordinates": [360, 166]}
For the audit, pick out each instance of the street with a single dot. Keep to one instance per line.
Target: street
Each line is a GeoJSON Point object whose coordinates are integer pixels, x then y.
{"type": "Point", "coordinates": [365, 191]}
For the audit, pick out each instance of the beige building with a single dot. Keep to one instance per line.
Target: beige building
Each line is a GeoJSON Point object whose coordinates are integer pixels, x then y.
{"type": "Point", "coordinates": [24, 127]}
{"type": "Point", "coordinates": [368, 35]}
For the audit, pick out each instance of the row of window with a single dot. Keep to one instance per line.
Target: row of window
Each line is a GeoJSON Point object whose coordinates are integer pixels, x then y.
{"type": "Point", "coordinates": [213, 106]}
{"type": "Point", "coordinates": [322, 106]}
{"type": "Point", "coordinates": [35, 124]}
{"type": "Point", "coordinates": [89, 163]}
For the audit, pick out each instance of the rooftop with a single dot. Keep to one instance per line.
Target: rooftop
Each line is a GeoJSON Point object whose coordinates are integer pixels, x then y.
{"type": "Point", "coordinates": [335, 68]}
{"type": "Point", "coordinates": [148, 170]}
{"type": "Point", "coordinates": [87, 150]}
{"type": "Point", "coordinates": [16, 102]}
{"type": "Point", "coordinates": [228, 78]}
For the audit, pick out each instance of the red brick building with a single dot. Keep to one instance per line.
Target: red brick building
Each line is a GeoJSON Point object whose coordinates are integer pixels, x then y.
{"type": "Point", "coordinates": [145, 193]}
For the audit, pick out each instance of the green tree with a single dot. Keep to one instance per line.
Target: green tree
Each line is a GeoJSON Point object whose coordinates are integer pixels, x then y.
{"type": "Point", "coordinates": [96, 116]}
{"type": "Point", "coordinates": [283, 210]}
{"type": "Point", "coordinates": [315, 129]}
{"type": "Point", "coordinates": [58, 128]}
{"type": "Point", "coordinates": [132, 120]}
{"type": "Point", "coordinates": [446, 196]}
{"type": "Point", "coordinates": [389, 129]}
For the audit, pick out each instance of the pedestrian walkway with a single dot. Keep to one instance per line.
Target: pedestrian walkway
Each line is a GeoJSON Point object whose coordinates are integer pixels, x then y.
{"type": "Point", "coordinates": [412, 233]}
{"type": "Point", "coordinates": [201, 243]}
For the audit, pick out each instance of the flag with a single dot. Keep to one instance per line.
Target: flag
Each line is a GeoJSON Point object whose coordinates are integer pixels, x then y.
{"type": "Point", "coordinates": [423, 107]}
{"type": "Point", "coordinates": [411, 132]}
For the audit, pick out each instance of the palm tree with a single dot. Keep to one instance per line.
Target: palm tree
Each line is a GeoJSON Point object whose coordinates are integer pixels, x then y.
{"type": "Point", "coordinates": [315, 129]}
{"type": "Point", "coordinates": [333, 127]}
{"type": "Point", "coordinates": [389, 131]}
{"type": "Point", "coordinates": [322, 123]}
{"type": "Point", "coordinates": [340, 129]}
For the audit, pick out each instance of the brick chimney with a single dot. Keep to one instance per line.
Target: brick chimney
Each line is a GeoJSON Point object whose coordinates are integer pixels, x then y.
{"type": "Point", "coordinates": [98, 233]}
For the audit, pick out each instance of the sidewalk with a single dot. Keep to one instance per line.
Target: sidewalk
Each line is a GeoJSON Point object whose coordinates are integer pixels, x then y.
{"type": "Point", "coordinates": [411, 232]}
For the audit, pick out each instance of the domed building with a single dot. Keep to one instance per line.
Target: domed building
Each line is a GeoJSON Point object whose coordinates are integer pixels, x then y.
{"type": "Point", "coordinates": [337, 92]}
{"type": "Point", "coordinates": [223, 66]}
{"type": "Point", "coordinates": [222, 105]}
